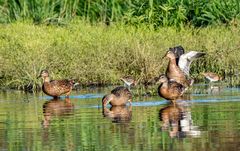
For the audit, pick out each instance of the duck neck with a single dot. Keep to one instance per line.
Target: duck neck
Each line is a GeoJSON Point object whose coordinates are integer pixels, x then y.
{"type": "Point", "coordinates": [172, 61]}
{"type": "Point", "coordinates": [165, 84]}
{"type": "Point", "coordinates": [46, 79]}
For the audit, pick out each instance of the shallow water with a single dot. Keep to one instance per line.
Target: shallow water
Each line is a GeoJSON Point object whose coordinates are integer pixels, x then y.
{"type": "Point", "coordinates": [208, 118]}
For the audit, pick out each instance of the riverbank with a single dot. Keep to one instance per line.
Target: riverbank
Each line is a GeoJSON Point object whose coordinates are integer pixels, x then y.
{"type": "Point", "coordinates": [100, 54]}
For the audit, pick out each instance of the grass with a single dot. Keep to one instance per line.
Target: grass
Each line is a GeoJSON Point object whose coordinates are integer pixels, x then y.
{"type": "Point", "coordinates": [155, 12]}
{"type": "Point", "coordinates": [99, 54]}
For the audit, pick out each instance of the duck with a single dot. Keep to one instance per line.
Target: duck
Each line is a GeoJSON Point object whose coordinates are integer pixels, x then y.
{"type": "Point", "coordinates": [211, 76]}
{"type": "Point", "coordinates": [173, 71]}
{"type": "Point", "coordinates": [179, 64]}
{"type": "Point", "coordinates": [128, 81]}
{"type": "Point", "coordinates": [56, 88]}
{"type": "Point", "coordinates": [119, 96]}
{"type": "Point", "coordinates": [170, 89]}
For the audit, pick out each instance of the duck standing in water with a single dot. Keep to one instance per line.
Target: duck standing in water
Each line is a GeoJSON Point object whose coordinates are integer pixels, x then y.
{"type": "Point", "coordinates": [170, 90]}
{"type": "Point", "coordinates": [179, 65]}
{"type": "Point", "coordinates": [56, 88]}
{"type": "Point", "coordinates": [119, 96]}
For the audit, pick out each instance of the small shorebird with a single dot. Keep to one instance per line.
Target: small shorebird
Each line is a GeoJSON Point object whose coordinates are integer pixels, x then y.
{"type": "Point", "coordinates": [118, 96]}
{"type": "Point", "coordinates": [212, 77]}
{"type": "Point", "coordinates": [129, 81]}
{"type": "Point", "coordinates": [56, 88]}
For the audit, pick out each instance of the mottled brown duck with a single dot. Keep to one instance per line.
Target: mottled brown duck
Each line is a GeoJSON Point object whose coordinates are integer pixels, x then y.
{"type": "Point", "coordinates": [119, 96]}
{"type": "Point", "coordinates": [170, 90]}
{"type": "Point", "coordinates": [56, 88]}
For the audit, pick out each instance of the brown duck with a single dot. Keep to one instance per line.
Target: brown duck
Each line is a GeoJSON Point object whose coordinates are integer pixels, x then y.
{"type": "Point", "coordinates": [179, 64]}
{"type": "Point", "coordinates": [170, 90]}
{"type": "Point", "coordinates": [55, 88]}
{"type": "Point", "coordinates": [118, 96]}
{"type": "Point", "coordinates": [173, 71]}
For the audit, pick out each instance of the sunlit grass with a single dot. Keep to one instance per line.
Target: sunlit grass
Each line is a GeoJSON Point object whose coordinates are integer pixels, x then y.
{"type": "Point", "coordinates": [102, 54]}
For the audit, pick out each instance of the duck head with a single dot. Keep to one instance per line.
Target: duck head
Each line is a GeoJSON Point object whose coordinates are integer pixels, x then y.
{"type": "Point", "coordinates": [107, 99]}
{"type": "Point", "coordinates": [170, 55]}
{"type": "Point", "coordinates": [45, 75]}
{"type": "Point", "coordinates": [162, 79]}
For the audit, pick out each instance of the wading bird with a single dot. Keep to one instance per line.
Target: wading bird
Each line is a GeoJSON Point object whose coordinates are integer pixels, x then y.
{"type": "Point", "coordinates": [170, 90]}
{"type": "Point", "coordinates": [56, 88]}
{"type": "Point", "coordinates": [118, 96]}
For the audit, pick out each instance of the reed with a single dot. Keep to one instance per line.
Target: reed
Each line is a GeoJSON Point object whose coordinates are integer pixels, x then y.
{"type": "Point", "coordinates": [99, 54]}
{"type": "Point", "coordinates": [154, 12]}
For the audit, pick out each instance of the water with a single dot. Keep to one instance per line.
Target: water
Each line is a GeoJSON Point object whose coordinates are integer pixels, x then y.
{"type": "Point", "coordinates": [206, 119]}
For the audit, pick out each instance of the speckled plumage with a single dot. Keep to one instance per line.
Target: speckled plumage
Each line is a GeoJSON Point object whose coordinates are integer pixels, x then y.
{"type": "Point", "coordinates": [118, 96]}
{"type": "Point", "coordinates": [56, 88]}
{"type": "Point", "coordinates": [170, 90]}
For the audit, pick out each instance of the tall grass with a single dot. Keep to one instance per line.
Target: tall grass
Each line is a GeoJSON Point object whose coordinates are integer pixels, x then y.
{"type": "Point", "coordinates": [153, 12]}
{"type": "Point", "coordinates": [102, 54]}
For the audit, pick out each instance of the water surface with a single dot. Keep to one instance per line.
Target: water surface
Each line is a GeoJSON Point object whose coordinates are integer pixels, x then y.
{"type": "Point", "coordinates": [208, 118]}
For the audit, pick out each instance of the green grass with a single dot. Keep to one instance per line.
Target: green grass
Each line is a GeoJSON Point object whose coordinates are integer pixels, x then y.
{"type": "Point", "coordinates": [101, 54]}
{"type": "Point", "coordinates": [155, 12]}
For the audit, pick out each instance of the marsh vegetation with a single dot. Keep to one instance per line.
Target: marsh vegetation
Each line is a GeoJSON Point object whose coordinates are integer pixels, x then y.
{"type": "Point", "coordinates": [98, 42]}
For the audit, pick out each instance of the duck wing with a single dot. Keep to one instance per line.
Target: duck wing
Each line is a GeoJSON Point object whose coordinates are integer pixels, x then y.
{"type": "Point", "coordinates": [186, 59]}
{"type": "Point", "coordinates": [62, 84]}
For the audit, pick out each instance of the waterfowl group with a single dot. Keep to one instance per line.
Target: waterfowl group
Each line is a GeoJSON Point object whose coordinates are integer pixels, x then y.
{"type": "Point", "coordinates": [177, 79]}
{"type": "Point", "coordinates": [172, 85]}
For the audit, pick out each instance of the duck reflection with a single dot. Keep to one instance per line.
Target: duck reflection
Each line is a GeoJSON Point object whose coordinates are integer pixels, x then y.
{"type": "Point", "coordinates": [178, 121]}
{"type": "Point", "coordinates": [56, 108]}
{"type": "Point", "coordinates": [118, 114]}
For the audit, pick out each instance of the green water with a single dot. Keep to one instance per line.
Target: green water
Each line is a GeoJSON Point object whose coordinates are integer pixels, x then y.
{"type": "Point", "coordinates": [206, 119]}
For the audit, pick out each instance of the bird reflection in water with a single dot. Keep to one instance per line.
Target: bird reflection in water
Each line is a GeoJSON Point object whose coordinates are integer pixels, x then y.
{"type": "Point", "coordinates": [177, 119]}
{"type": "Point", "coordinates": [118, 114]}
{"type": "Point", "coordinates": [56, 108]}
